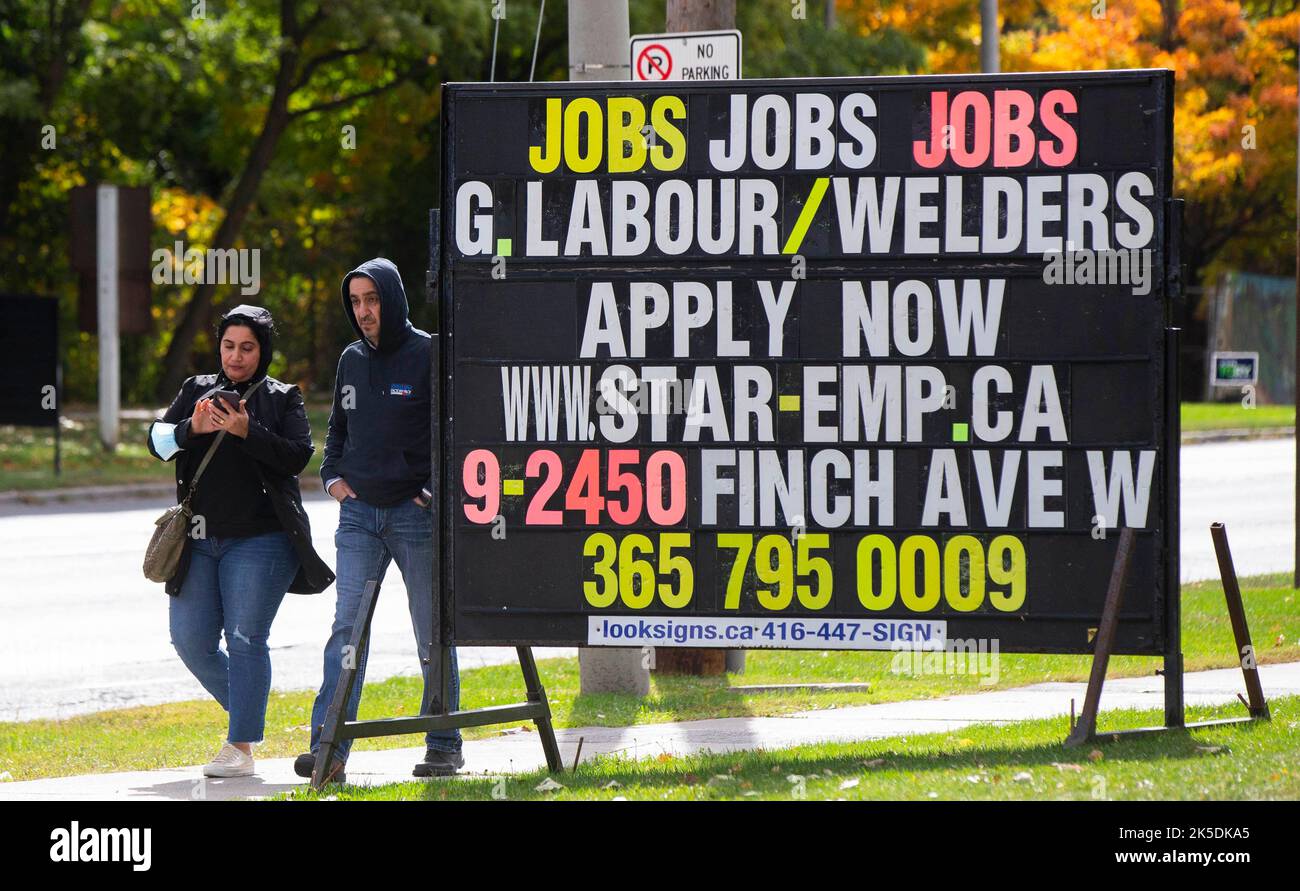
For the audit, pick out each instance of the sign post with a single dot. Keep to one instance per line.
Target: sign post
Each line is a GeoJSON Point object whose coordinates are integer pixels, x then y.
{"type": "Point", "coordinates": [688, 56]}
{"type": "Point", "coordinates": [110, 389]}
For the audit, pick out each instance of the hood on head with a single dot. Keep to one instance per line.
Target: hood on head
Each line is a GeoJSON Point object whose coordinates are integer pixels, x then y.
{"type": "Point", "coordinates": [393, 309]}
{"type": "Point", "coordinates": [262, 325]}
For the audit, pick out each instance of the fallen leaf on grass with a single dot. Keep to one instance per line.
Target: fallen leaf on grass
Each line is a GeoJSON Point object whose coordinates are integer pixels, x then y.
{"type": "Point", "coordinates": [933, 795]}
{"type": "Point", "coordinates": [874, 762]}
{"type": "Point", "coordinates": [664, 758]}
{"type": "Point", "coordinates": [1074, 767]}
{"type": "Point", "coordinates": [1209, 750]}
{"type": "Point", "coordinates": [612, 784]}
{"type": "Point", "coordinates": [849, 784]}
{"type": "Point", "coordinates": [1095, 755]}
{"type": "Point", "coordinates": [1023, 777]}
{"type": "Point", "coordinates": [548, 785]}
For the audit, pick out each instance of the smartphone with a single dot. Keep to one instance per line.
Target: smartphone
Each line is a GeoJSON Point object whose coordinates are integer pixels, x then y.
{"type": "Point", "coordinates": [230, 397]}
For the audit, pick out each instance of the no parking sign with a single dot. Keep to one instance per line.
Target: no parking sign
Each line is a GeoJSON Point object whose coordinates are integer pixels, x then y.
{"type": "Point", "coordinates": [692, 55]}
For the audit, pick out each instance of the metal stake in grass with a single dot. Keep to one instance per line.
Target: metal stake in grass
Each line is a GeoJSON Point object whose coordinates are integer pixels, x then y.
{"type": "Point", "coordinates": [577, 755]}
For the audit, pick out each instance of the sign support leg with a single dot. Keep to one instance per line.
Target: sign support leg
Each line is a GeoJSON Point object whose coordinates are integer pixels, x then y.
{"type": "Point", "coordinates": [1257, 705]}
{"type": "Point", "coordinates": [537, 694]}
{"type": "Point", "coordinates": [347, 679]}
{"type": "Point", "coordinates": [1086, 729]}
{"type": "Point", "coordinates": [1105, 641]}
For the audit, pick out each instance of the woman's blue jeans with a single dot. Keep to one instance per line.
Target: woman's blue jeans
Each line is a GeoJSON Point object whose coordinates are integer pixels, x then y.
{"type": "Point", "coordinates": [234, 585]}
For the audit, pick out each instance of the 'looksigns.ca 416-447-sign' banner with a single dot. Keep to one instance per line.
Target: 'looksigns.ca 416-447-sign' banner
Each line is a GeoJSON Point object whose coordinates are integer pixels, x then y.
{"type": "Point", "coordinates": [832, 364]}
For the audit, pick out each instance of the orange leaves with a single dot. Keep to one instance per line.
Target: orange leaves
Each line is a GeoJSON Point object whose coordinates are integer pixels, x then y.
{"type": "Point", "coordinates": [182, 213]}
{"type": "Point", "coordinates": [1235, 73]}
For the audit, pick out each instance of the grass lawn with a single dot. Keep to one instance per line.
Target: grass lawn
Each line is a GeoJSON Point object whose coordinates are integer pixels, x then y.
{"type": "Point", "coordinates": [27, 454]}
{"type": "Point", "coordinates": [985, 762]}
{"type": "Point", "coordinates": [186, 733]}
{"type": "Point", "coordinates": [1202, 416]}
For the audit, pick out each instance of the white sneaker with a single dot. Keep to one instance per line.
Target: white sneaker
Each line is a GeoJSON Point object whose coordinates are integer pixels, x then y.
{"type": "Point", "coordinates": [230, 762]}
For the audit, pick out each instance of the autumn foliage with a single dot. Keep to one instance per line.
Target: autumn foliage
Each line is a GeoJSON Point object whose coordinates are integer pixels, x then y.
{"type": "Point", "coordinates": [1235, 96]}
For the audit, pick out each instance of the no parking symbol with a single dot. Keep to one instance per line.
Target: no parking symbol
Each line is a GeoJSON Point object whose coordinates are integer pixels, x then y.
{"type": "Point", "coordinates": [654, 62]}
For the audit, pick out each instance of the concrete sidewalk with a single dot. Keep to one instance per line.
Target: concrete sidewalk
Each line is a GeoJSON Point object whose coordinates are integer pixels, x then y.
{"type": "Point", "coordinates": [515, 750]}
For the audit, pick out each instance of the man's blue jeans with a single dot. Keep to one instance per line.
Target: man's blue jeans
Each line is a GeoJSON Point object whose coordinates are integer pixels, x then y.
{"type": "Point", "coordinates": [367, 540]}
{"type": "Point", "coordinates": [233, 585]}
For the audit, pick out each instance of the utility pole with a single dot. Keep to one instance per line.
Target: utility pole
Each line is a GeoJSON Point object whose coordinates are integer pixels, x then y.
{"type": "Point", "coordinates": [989, 61]}
{"type": "Point", "coordinates": [599, 36]}
{"type": "Point", "coordinates": [702, 15]}
{"type": "Point", "coordinates": [830, 15]}
{"type": "Point", "coordinates": [598, 40]}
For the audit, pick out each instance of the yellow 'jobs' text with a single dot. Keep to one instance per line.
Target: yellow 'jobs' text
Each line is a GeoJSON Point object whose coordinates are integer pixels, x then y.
{"type": "Point", "coordinates": [615, 133]}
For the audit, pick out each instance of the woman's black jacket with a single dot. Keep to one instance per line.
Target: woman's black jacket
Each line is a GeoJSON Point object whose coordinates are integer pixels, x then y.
{"type": "Point", "coordinates": [279, 441]}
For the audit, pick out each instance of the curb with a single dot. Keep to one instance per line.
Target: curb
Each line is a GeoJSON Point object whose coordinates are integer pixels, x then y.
{"type": "Point", "coordinates": [1200, 437]}
{"type": "Point", "coordinates": [310, 486]}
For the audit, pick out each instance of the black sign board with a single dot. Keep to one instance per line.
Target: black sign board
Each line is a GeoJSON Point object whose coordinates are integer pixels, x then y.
{"type": "Point", "coordinates": [830, 364]}
{"type": "Point", "coordinates": [29, 360]}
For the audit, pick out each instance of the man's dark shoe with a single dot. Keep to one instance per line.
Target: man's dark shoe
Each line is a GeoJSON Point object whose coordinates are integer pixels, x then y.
{"type": "Point", "coordinates": [305, 764]}
{"type": "Point", "coordinates": [437, 763]}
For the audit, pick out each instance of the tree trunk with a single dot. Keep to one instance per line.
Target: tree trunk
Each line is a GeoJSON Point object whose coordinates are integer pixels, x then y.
{"type": "Point", "coordinates": [1169, 13]}
{"type": "Point", "coordinates": [198, 312]}
{"type": "Point", "coordinates": [701, 15]}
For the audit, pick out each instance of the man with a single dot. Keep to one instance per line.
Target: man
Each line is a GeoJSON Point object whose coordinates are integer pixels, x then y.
{"type": "Point", "coordinates": [376, 465]}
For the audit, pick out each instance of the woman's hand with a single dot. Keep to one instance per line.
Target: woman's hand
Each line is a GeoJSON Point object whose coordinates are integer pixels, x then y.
{"type": "Point", "coordinates": [201, 420]}
{"type": "Point", "coordinates": [233, 422]}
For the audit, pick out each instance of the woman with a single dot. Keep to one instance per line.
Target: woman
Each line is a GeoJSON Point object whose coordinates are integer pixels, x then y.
{"type": "Point", "coordinates": [249, 540]}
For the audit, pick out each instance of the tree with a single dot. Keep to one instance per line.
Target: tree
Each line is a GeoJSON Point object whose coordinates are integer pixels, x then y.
{"type": "Point", "coordinates": [1235, 96]}
{"type": "Point", "coordinates": [326, 59]}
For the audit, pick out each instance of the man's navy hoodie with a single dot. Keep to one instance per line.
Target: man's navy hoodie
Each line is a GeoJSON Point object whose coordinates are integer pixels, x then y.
{"type": "Point", "coordinates": [378, 437]}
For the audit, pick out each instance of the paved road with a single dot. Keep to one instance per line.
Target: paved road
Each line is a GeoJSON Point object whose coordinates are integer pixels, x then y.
{"type": "Point", "coordinates": [1250, 487]}
{"type": "Point", "coordinates": [80, 630]}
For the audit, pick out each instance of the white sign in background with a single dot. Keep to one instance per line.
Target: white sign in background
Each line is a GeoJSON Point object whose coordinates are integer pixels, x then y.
{"type": "Point", "coordinates": [689, 55]}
